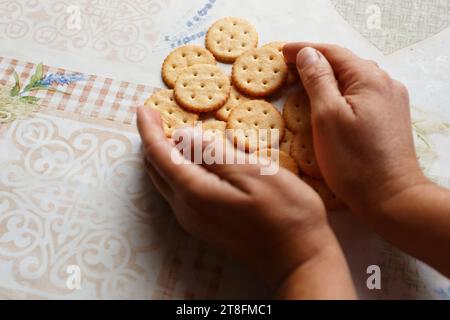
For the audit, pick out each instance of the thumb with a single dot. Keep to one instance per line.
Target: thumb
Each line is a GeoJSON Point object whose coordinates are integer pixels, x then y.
{"type": "Point", "coordinates": [318, 79]}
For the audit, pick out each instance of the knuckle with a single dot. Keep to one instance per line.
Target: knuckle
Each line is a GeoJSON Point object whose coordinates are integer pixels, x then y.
{"type": "Point", "coordinates": [315, 75]}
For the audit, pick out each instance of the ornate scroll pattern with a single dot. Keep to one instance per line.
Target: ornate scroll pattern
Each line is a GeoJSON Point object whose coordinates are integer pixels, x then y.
{"type": "Point", "coordinates": [79, 199]}
{"type": "Point", "coordinates": [117, 30]}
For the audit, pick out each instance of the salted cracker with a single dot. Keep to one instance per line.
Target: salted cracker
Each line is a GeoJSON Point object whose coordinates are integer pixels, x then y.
{"type": "Point", "coordinates": [202, 88]}
{"type": "Point", "coordinates": [254, 124]}
{"type": "Point", "coordinates": [236, 98]}
{"type": "Point", "coordinates": [302, 150]}
{"type": "Point", "coordinates": [297, 112]}
{"type": "Point", "coordinates": [173, 116]}
{"type": "Point", "coordinates": [293, 76]}
{"type": "Point", "coordinates": [259, 72]}
{"type": "Point", "coordinates": [229, 37]}
{"type": "Point", "coordinates": [181, 58]}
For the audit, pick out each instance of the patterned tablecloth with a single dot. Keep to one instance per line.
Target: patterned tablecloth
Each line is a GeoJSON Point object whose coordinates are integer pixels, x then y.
{"type": "Point", "coordinates": [78, 218]}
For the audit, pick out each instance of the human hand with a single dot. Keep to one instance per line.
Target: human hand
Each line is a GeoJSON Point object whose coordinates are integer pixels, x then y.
{"type": "Point", "coordinates": [276, 224]}
{"type": "Point", "coordinates": [362, 125]}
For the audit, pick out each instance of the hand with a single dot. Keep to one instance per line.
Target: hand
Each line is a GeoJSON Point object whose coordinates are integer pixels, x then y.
{"type": "Point", "coordinates": [275, 224]}
{"type": "Point", "coordinates": [362, 126]}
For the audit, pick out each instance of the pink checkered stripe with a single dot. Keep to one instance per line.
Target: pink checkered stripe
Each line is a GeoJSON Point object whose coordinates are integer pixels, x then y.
{"type": "Point", "coordinates": [96, 97]}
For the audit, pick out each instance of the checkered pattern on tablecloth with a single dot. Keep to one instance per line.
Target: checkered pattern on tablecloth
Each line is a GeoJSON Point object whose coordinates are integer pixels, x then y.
{"type": "Point", "coordinates": [96, 97]}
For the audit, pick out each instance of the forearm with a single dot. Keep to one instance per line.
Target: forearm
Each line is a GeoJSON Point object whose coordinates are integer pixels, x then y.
{"type": "Point", "coordinates": [324, 277]}
{"type": "Point", "coordinates": [417, 221]}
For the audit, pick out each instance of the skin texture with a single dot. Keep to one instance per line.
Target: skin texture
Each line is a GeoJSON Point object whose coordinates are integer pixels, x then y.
{"type": "Point", "coordinates": [285, 238]}
{"type": "Point", "coordinates": [365, 150]}
{"type": "Point", "coordinates": [363, 138]}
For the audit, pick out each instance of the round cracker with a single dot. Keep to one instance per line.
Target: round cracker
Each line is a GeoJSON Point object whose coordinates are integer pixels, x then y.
{"type": "Point", "coordinates": [173, 116]}
{"type": "Point", "coordinates": [297, 112]}
{"type": "Point", "coordinates": [236, 98]}
{"type": "Point", "coordinates": [293, 75]}
{"type": "Point", "coordinates": [202, 88]}
{"type": "Point", "coordinates": [283, 159]}
{"type": "Point", "coordinates": [217, 128]}
{"type": "Point", "coordinates": [246, 121]}
{"type": "Point", "coordinates": [259, 72]}
{"type": "Point", "coordinates": [302, 150]}
{"type": "Point", "coordinates": [229, 37]}
{"type": "Point", "coordinates": [331, 201]}
{"type": "Point", "coordinates": [287, 141]}
{"type": "Point", "coordinates": [181, 58]}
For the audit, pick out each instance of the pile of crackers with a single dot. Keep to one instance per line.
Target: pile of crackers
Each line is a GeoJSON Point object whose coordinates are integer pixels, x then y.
{"type": "Point", "coordinates": [199, 90]}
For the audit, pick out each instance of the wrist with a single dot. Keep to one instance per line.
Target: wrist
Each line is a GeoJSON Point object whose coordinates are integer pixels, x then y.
{"type": "Point", "coordinates": [325, 275]}
{"type": "Point", "coordinates": [376, 200]}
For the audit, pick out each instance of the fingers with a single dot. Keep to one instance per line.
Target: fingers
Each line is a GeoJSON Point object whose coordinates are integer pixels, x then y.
{"type": "Point", "coordinates": [338, 57]}
{"type": "Point", "coordinates": [163, 188]}
{"type": "Point", "coordinates": [161, 154]}
{"type": "Point", "coordinates": [319, 81]}
{"type": "Point", "coordinates": [218, 154]}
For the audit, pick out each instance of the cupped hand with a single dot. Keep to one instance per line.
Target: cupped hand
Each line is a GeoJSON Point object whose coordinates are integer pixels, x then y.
{"type": "Point", "coordinates": [362, 125]}
{"type": "Point", "coordinates": [275, 224]}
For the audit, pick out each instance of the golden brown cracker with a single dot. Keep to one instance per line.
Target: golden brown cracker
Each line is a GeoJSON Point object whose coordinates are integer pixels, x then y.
{"type": "Point", "coordinates": [236, 98]}
{"type": "Point", "coordinates": [293, 75]}
{"type": "Point", "coordinates": [248, 119]}
{"type": "Point", "coordinates": [283, 159]}
{"type": "Point", "coordinates": [173, 116]}
{"type": "Point", "coordinates": [259, 72]}
{"type": "Point", "coordinates": [229, 37]}
{"type": "Point", "coordinates": [202, 88]}
{"type": "Point", "coordinates": [297, 112]}
{"type": "Point", "coordinates": [302, 150]}
{"type": "Point", "coordinates": [287, 141]}
{"type": "Point", "coordinates": [181, 58]}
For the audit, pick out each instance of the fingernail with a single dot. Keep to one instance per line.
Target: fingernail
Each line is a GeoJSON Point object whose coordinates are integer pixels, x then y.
{"type": "Point", "coordinates": [306, 57]}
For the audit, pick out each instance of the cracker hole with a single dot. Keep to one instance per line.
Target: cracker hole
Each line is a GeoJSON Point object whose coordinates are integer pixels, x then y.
{"type": "Point", "coordinates": [192, 96]}
{"type": "Point", "coordinates": [244, 68]}
{"type": "Point", "coordinates": [265, 82]}
{"type": "Point", "coordinates": [266, 112]}
{"type": "Point", "coordinates": [255, 57]}
{"type": "Point", "coordinates": [195, 74]}
{"type": "Point", "coordinates": [271, 58]}
{"type": "Point", "coordinates": [249, 109]}
{"type": "Point", "coordinates": [272, 126]}
{"type": "Point", "coordinates": [210, 98]}
{"type": "Point", "coordinates": [183, 55]}
{"type": "Point", "coordinates": [239, 120]}
{"type": "Point", "coordinates": [260, 70]}
{"type": "Point", "coordinates": [276, 71]}
{"type": "Point", "coordinates": [255, 123]}
{"type": "Point", "coordinates": [249, 81]}
{"type": "Point", "coordinates": [185, 85]}
{"type": "Point", "coordinates": [202, 85]}
{"type": "Point", "coordinates": [199, 54]}
{"type": "Point", "coordinates": [232, 37]}
{"type": "Point", "coordinates": [174, 66]}
{"type": "Point", "coordinates": [212, 75]}
{"type": "Point", "coordinates": [243, 45]}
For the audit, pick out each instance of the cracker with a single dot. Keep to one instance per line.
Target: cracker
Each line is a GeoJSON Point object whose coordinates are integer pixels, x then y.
{"type": "Point", "coordinates": [293, 75]}
{"type": "Point", "coordinates": [283, 159]}
{"type": "Point", "coordinates": [217, 128]}
{"type": "Point", "coordinates": [246, 121]}
{"type": "Point", "coordinates": [302, 150]}
{"type": "Point", "coordinates": [259, 72]}
{"type": "Point", "coordinates": [331, 201]}
{"type": "Point", "coordinates": [297, 112]}
{"type": "Point", "coordinates": [173, 116]}
{"type": "Point", "coordinates": [181, 58]}
{"type": "Point", "coordinates": [287, 141]}
{"type": "Point", "coordinates": [229, 37]}
{"type": "Point", "coordinates": [236, 98]}
{"type": "Point", "coordinates": [202, 88]}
